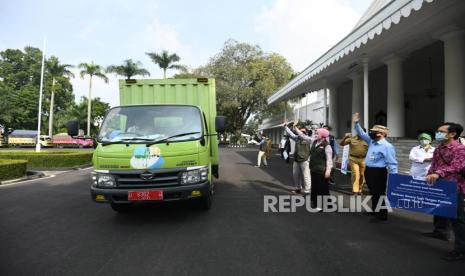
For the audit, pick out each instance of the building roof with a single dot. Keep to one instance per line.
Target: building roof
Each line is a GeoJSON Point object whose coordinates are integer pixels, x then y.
{"type": "Point", "coordinates": [374, 8]}
{"type": "Point", "coordinates": [379, 17]}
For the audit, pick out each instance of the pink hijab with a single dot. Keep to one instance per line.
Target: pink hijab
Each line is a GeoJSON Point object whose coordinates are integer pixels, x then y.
{"type": "Point", "coordinates": [322, 133]}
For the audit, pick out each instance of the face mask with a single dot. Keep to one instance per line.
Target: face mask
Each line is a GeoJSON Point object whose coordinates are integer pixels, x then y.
{"type": "Point", "coordinates": [424, 142]}
{"type": "Point", "coordinates": [440, 136]}
{"type": "Point", "coordinates": [373, 135]}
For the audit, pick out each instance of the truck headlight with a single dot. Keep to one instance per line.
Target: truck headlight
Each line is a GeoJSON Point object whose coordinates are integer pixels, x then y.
{"type": "Point", "coordinates": [194, 175]}
{"type": "Point", "coordinates": [104, 180]}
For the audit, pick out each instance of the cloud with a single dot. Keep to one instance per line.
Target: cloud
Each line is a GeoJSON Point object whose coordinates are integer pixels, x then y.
{"type": "Point", "coordinates": [108, 92]}
{"type": "Point", "coordinates": [302, 30]}
{"type": "Point", "coordinates": [157, 36]}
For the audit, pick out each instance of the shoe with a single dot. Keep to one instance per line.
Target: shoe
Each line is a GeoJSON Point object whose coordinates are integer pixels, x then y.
{"type": "Point", "coordinates": [436, 235]}
{"type": "Point", "coordinates": [307, 192]}
{"type": "Point", "coordinates": [453, 256]}
{"type": "Point", "coordinates": [256, 166]}
{"type": "Point", "coordinates": [296, 191]}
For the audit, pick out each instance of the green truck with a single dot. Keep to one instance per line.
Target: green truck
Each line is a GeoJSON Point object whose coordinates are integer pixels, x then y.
{"type": "Point", "coordinates": [160, 144]}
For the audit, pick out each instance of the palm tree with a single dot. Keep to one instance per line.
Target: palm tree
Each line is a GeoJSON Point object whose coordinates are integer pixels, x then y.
{"type": "Point", "coordinates": [165, 61]}
{"type": "Point", "coordinates": [128, 69]}
{"type": "Point", "coordinates": [56, 70]}
{"type": "Point", "coordinates": [91, 70]}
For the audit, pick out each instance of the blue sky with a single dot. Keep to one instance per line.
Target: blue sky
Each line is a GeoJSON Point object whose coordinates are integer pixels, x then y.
{"type": "Point", "coordinates": [108, 32]}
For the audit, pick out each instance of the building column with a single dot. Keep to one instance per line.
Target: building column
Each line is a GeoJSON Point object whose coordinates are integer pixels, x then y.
{"type": "Point", "coordinates": [395, 97]}
{"type": "Point", "coordinates": [357, 96]}
{"type": "Point", "coordinates": [454, 72]}
{"type": "Point", "coordinates": [333, 114]}
{"type": "Point", "coordinates": [366, 110]}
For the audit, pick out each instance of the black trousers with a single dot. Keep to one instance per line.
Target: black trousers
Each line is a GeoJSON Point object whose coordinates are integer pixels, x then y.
{"type": "Point", "coordinates": [441, 225]}
{"type": "Point", "coordinates": [320, 187]}
{"type": "Point", "coordinates": [458, 224]}
{"type": "Point", "coordinates": [376, 179]}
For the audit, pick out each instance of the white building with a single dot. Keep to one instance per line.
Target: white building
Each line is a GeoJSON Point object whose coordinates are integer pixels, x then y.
{"type": "Point", "coordinates": [310, 107]}
{"type": "Point", "coordinates": [403, 65]}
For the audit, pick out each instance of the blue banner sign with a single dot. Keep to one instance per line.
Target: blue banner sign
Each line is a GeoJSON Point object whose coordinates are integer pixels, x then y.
{"type": "Point", "coordinates": [405, 192]}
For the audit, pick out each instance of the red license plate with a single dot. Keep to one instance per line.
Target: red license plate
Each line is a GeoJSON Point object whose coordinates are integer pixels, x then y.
{"type": "Point", "coordinates": [145, 195]}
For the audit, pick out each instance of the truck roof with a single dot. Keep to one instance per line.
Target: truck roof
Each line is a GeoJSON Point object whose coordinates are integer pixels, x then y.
{"type": "Point", "coordinates": [24, 132]}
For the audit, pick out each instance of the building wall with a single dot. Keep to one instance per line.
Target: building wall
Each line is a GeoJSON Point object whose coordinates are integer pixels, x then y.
{"type": "Point", "coordinates": [423, 76]}
{"type": "Point", "coordinates": [344, 107]}
{"type": "Point", "coordinates": [377, 88]}
{"type": "Point", "coordinates": [424, 89]}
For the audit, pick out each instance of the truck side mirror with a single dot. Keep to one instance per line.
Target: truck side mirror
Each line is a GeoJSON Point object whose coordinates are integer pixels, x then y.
{"type": "Point", "coordinates": [73, 128]}
{"type": "Point", "coordinates": [220, 124]}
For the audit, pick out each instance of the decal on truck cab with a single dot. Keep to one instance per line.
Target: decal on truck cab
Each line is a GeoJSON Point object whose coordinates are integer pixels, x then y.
{"type": "Point", "coordinates": [147, 158]}
{"type": "Point", "coordinates": [186, 163]}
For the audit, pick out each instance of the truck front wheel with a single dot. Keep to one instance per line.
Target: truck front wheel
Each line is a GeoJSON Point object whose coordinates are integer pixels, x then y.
{"type": "Point", "coordinates": [205, 203]}
{"type": "Point", "coordinates": [121, 207]}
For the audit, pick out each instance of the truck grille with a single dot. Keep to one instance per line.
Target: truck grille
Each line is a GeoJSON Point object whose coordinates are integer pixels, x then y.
{"type": "Point", "coordinates": [160, 178]}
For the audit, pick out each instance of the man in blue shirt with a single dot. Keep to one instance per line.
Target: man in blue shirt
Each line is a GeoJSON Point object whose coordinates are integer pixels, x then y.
{"type": "Point", "coordinates": [380, 160]}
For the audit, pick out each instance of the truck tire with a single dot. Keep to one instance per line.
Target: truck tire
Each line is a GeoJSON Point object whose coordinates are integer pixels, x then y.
{"type": "Point", "coordinates": [205, 202]}
{"type": "Point", "coordinates": [121, 207]}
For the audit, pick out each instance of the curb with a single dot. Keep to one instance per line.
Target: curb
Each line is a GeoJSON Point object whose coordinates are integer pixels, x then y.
{"type": "Point", "coordinates": [62, 169]}
{"type": "Point", "coordinates": [30, 175]}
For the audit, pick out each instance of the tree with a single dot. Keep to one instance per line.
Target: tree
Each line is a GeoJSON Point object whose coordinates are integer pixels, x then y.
{"type": "Point", "coordinates": [91, 70]}
{"type": "Point", "coordinates": [19, 88]}
{"type": "Point", "coordinates": [245, 78]}
{"type": "Point", "coordinates": [55, 70]}
{"type": "Point", "coordinates": [188, 73]}
{"type": "Point", "coordinates": [128, 69]}
{"type": "Point", "coordinates": [165, 61]}
{"type": "Point", "coordinates": [78, 112]}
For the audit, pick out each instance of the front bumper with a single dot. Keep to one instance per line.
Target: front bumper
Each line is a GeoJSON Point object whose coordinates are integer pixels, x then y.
{"type": "Point", "coordinates": [174, 193]}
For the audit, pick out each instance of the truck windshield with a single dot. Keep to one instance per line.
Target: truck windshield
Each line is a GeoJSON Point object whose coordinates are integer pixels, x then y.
{"type": "Point", "coordinates": [149, 123]}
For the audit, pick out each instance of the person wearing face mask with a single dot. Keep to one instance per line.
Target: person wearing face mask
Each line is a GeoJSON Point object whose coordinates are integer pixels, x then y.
{"type": "Point", "coordinates": [358, 149]}
{"type": "Point", "coordinates": [321, 163]}
{"type": "Point", "coordinates": [449, 163]}
{"type": "Point", "coordinates": [421, 157]}
{"type": "Point", "coordinates": [380, 160]}
{"type": "Point", "coordinates": [300, 167]}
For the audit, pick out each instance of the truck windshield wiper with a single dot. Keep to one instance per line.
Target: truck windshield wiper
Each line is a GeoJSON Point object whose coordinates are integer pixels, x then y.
{"type": "Point", "coordinates": [168, 138]}
{"type": "Point", "coordinates": [125, 140]}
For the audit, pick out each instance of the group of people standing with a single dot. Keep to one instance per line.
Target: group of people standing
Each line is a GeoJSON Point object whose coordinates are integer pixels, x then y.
{"type": "Point", "coordinates": [313, 160]}
{"type": "Point", "coordinates": [372, 158]}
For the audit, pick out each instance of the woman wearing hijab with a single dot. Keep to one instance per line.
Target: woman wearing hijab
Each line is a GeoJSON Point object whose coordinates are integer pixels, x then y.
{"type": "Point", "coordinates": [421, 157]}
{"type": "Point", "coordinates": [321, 163]}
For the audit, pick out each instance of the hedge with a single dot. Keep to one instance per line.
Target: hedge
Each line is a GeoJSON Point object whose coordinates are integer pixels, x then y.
{"type": "Point", "coordinates": [10, 169]}
{"type": "Point", "coordinates": [49, 159]}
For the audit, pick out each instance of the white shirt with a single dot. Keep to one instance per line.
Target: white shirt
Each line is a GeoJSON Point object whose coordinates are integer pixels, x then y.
{"type": "Point", "coordinates": [282, 143]}
{"type": "Point", "coordinates": [420, 167]}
